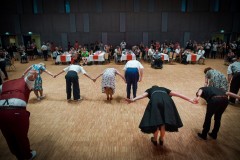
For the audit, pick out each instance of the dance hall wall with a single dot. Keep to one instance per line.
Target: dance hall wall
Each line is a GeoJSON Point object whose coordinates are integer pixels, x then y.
{"type": "Point", "coordinates": [111, 21]}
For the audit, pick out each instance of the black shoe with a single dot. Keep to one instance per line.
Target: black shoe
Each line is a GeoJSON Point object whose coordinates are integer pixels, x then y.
{"type": "Point", "coordinates": [231, 103]}
{"type": "Point", "coordinates": [202, 136]}
{"type": "Point", "coordinates": [212, 135]}
{"type": "Point", "coordinates": [160, 141]}
{"type": "Point", "coordinates": [153, 141]}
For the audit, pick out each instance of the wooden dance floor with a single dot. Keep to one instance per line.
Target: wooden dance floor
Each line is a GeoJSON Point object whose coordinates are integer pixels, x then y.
{"type": "Point", "coordinates": [108, 130]}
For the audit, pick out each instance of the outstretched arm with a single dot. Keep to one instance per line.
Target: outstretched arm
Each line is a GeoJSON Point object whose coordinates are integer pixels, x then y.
{"type": "Point", "coordinates": [118, 73]}
{"type": "Point", "coordinates": [229, 78]}
{"type": "Point", "coordinates": [172, 93]}
{"type": "Point", "coordinates": [26, 71]}
{"type": "Point", "coordinates": [58, 74]}
{"type": "Point", "coordinates": [206, 82]}
{"type": "Point", "coordinates": [233, 95]}
{"type": "Point", "coordinates": [144, 95]}
{"type": "Point", "coordinates": [85, 74]}
{"type": "Point", "coordinates": [97, 77]}
{"type": "Point", "coordinates": [198, 95]}
{"type": "Point", "coordinates": [141, 75]}
{"type": "Point", "coordinates": [49, 73]}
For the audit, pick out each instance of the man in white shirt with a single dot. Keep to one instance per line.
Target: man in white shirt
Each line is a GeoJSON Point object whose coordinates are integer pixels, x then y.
{"type": "Point", "coordinates": [72, 80]}
{"type": "Point", "coordinates": [44, 49]}
{"type": "Point", "coordinates": [133, 74]}
{"type": "Point", "coordinates": [207, 47]}
{"type": "Point", "coordinates": [201, 52]}
{"type": "Point", "coordinates": [55, 54]}
{"type": "Point", "coordinates": [123, 45]}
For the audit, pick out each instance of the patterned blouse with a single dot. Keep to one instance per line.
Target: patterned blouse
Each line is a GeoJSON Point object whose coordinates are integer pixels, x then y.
{"type": "Point", "coordinates": [217, 79]}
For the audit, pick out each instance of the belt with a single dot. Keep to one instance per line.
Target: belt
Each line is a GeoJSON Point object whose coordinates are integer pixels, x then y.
{"type": "Point", "coordinates": [11, 107]}
{"type": "Point", "coordinates": [219, 97]}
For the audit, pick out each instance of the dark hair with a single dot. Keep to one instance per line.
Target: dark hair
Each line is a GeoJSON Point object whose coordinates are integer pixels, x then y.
{"type": "Point", "coordinates": [75, 61]}
{"type": "Point", "coordinates": [207, 69]}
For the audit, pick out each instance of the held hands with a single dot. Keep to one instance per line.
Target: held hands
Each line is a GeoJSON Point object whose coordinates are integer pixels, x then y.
{"type": "Point", "coordinates": [194, 100]}
{"type": "Point", "coordinates": [129, 100]}
{"type": "Point", "coordinates": [94, 80]}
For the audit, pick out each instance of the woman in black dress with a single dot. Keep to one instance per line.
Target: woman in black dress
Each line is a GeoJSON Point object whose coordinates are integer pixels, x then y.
{"type": "Point", "coordinates": [161, 113]}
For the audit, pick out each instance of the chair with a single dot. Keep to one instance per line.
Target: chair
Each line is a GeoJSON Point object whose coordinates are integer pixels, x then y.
{"type": "Point", "coordinates": [10, 64]}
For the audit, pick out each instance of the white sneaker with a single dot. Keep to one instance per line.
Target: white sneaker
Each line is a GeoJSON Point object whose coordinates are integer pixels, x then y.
{"type": "Point", "coordinates": [41, 97]}
{"type": "Point", "coordinates": [34, 153]}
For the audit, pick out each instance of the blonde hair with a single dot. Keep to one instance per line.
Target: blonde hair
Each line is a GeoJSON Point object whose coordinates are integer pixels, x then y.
{"type": "Point", "coordinates": [43, 64]}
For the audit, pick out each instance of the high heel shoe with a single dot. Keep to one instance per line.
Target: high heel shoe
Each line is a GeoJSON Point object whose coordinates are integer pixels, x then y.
{"type": "Point", "coordinates": [153, 141]}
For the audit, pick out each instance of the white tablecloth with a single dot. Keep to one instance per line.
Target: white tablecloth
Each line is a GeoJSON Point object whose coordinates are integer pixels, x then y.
{"type": "Point", "coordinates": [63, 58]}
{"type": "Point", "coordinates": [97, 56]}
{"type": "Point", "coordinates": [193, 57]}
{"type": "Point", "coordinates": [165, 57]}
{"type": "Point", "coordinates": [125, 57]}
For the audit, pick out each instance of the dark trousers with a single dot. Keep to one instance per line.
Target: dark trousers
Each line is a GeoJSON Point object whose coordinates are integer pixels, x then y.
{"type": "Point", "coordinates": [234, 86]}
{"type": "Point", "coordinates": [45, 55]}
{"type": "Point", "coordinates": [14, 124]}
{"type": "Point", "coordinates": [72, 83]}
{"type": "Point", "coordinates": [216, 106]}
{"type": "Point", "coordinates": [132, 77]}
{"type": "Point", "coordinates": [207, 52]}
{"type": "Point", "coordinates": [3, 68]}
{"type": "Point", "coordinates": [213, 54]}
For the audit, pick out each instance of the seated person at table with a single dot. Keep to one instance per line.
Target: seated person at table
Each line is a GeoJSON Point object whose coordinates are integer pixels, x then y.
{"type": "Point", "coordinates": [150, 53]}
{"type": "Point", "coordinates": [24, 57]}
{"type": "Point", "coordinates": [118, 54]}
{"type": "Point", "coordinates": [55, 54]}
{"type": "Point", "coordinates": [184, 56]}
{"type": "Point", "coordinates": [201, 52]}
{"type": "Point", "coordinates": [171, 53]}
{"type": "Point", "coordinates": [137, 52]}
{"type": "Point", "coordinates": [157, 60]}
{"type": "Point", "coordinates": [84, 54]}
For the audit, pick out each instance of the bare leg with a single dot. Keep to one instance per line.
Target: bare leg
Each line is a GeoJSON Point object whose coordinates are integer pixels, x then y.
{"type": "Point", "coordinates": [162, 134]}
{"type": "Point", "coordinates": [36, 93]}
{"type": "Point", "coordinates": [154, 138]}
{"type": "Point", "coordinates": [155, 135]}
{"type": "Point", "coordinates": [107, 92]}
{"type": "Point", "coordinates": [110, 93]}
{"type": "Point", "coordinates": [41, 93]}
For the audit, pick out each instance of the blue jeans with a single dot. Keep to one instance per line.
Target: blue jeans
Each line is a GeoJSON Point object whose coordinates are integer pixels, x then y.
{"type": "Point", "coordinates": [132, 77]}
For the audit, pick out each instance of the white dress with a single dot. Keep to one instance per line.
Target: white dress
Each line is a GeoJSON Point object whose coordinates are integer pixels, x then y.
{"type": "Point", "coordinates": [108, 79]}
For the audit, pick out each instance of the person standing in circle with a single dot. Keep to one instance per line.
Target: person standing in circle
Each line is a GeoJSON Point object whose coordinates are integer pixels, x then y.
{"type": "Point", "coordinates": [72, 82]}
{"type": "Point", "coordinates": [133, 74]}
{"type": "Point", "coordinates": [161, 113]}
{"type": "Point", "coordinates": [14, 118]}
{"type": "Point", "coordinates": [108, 81]}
